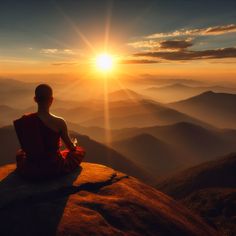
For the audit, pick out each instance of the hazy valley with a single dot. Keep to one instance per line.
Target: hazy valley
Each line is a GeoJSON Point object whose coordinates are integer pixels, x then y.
{"type": "Point", "coordinates": [166, 142]}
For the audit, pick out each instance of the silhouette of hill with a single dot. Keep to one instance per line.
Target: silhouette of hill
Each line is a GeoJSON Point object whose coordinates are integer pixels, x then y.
{"type": "Point", "coordinates": [216, 108]}
{"type": "Point", "coordinates": [8, 114]}
{"type": "Point", "coordinates": [156, 156]}
{"type": "Point", "coordinates": [219, 173]}
{"type": "Point", "coordinates": [126, 104]}
{"type": "Point", "coordinates": [94, 200]}
{"type": "Point", "coordinates": [94, 132]}
{"type": "Point", "coordinates": [95, 152]}
{"type": "Point", "coordinates": [178, 91]}
{"type": "Point", "coordinates": [16, 93]}
{"type": "Point", "coordinates": [125, 94]}
{"type": "Point", "coordinates": [209, 190]}
{"type": "Point", "coordinates": [191, 143]}
{"type": "Point", "coordinates": [123, 114]}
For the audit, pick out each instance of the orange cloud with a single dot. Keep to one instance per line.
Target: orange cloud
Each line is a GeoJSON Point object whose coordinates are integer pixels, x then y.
{"type": "Point", "coordinates": [215, 30]}
{"type": "Point", "coordinates": [56, 51]}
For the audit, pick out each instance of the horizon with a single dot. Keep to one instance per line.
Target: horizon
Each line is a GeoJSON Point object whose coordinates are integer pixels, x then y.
{"type": "Point", "coordinates": [165, 39]}
{"type": "Point", "coordinates": [145, 90]}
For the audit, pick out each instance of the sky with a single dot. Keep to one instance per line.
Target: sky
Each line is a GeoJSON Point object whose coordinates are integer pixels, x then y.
{"type": "Point", "coordinates": [160, 37]}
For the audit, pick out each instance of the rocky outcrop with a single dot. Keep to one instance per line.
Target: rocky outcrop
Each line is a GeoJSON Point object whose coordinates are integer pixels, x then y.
{"type": "Point", "coordinates": [95, 200]}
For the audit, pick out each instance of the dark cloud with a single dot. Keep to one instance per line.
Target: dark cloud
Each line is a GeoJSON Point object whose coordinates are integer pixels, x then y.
{"type": "Point", "coordinates": [135, 61]}
{"type": "Point", "coordinates": [176, 44]}
{"type": "Point", "coordinates": [192, 55]}
{"type": "Point", "coordinates": [213, 30]}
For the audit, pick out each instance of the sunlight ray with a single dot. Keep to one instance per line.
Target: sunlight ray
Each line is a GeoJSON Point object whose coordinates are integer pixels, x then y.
{"type": "Point", "coordinates": [106, 111]}
{"type": "Point", "coordinates": [135, 100]}
{"type": "Point", "coordinates": [75, 27]}
{"type": "Point", "coordinates": [70, 86]}
{"type": "Point", "coordinates": [125, 89]}
{"type": "Point", "coordinates": [108, 25]}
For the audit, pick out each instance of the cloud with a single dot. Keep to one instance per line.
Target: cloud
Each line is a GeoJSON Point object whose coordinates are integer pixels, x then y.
{"type": "Point", "coordinates": [145, 44]}
{"type": "Point", "coordinates": [49, 51]}
{"type": "Point", "coordinates": [56, 51]}
{"type": "Point", "coordinates": [214, 30]}
{"type": "Point", "coordinates": [224, 29]}
{"type": "Point", "coordinates": [137, 61]}
{"type": "Point", "coordinates": [191, 55]}
{"type": "Point", "coordinates": [175, 44]}
{"type": "Point", "coordinates": [64, 63]}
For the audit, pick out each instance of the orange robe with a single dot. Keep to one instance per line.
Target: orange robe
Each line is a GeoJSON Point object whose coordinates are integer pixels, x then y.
{"type": "Point", "coordinates": [39, 156]}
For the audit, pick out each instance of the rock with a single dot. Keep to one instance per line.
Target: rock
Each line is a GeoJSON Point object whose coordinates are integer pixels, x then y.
{"type": "Point", "coordinates": [95, 200]}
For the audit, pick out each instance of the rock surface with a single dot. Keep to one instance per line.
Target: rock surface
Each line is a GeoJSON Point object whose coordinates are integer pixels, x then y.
{"type": "Point", "coordinates": [95, 200]}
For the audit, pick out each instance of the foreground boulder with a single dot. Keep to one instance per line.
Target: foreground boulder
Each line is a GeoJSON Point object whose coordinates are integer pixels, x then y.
{"type": "Point", "coordinates": [95, 200]}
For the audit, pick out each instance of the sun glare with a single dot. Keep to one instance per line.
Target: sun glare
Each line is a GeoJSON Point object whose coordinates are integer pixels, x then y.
{"type": "Point", "coordinates": [104, 62]}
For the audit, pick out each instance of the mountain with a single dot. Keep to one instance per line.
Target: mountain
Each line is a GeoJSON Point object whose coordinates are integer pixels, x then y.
{"type": "Point", "coordinates": [209, 190]}
{"type": "Point", "coordinates": [192, 144]}
{"type": "Point", "coordinates": [215, 108]}
{"type": "Point", "coordinates": [123, 114]}
{"type": "Point", "coordinates": [95, 200]}
{"type": "Point", "coordinates": [100, 153]}
{"type": "Point", "coordinates": [153, 154]}
{"type": "Point", "coordinates": [17, 94]}
{"type": "Point", "coordinates": [125, 94]}
{"type": "Point", "coordinates": [95, 152]}
{"type": "Point", "coordinates": [125, 107]}
{"type": "Point", "coordinates": [219, 173]}
{"type": "Point", "coordinates": [94, 132]}
{"type": "Point", "coordinates": [149, 80]}
{"type": "Point", "coordinates": [8, 114]}
{"type": "Point", "coordinates": [178, 91]}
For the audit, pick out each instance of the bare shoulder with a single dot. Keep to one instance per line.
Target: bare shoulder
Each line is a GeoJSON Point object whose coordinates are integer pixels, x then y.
{"type": "Point", "coordinates": [61, 123]}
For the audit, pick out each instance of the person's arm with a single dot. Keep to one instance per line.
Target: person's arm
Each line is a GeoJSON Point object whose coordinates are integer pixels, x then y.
{"type": "Point", "coordinates": [65, 136]}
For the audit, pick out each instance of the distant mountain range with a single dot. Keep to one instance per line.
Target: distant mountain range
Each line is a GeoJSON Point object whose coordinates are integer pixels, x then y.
{"type": "Point", "coordinates": [124, 94]}
{"type": "Point", "coordinates": [178, 91]}
{"type": "Point", "coordinates": [153, 154]}
{"type": "Point", "coordinates": [218, 109]}
{"type": "Point", "coordinates": [208, 190]}
{"type": "Point", "coordinates": [124, 114]}
{"type": "Point", "coordinates": [16, 93]}
{"type": "Point", "coordinates": [165, 149]}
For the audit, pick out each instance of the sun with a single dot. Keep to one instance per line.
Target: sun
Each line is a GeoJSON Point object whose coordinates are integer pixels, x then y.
{"type": "Point", "coordinates": [104, 62]}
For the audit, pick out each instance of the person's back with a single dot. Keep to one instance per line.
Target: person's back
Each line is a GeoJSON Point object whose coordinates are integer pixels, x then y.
{"type": "Point", "coordinates": [39, 135]}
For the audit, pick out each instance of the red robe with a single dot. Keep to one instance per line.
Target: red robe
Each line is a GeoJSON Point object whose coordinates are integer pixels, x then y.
{"type": "Point", "coordinates": [39, 156]}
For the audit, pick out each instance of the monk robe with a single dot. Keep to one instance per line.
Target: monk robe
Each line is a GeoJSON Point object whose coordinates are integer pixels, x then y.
{"type": "Point", "coordinates": [40, 156]}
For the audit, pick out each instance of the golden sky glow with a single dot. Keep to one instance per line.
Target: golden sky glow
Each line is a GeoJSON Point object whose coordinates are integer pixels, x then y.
{"type": "Point", "coordinates": [65, 39]}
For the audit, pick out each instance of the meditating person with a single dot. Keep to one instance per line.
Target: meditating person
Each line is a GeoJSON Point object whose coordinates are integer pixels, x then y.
{"type": "Point", "coordinates": [40, 136]}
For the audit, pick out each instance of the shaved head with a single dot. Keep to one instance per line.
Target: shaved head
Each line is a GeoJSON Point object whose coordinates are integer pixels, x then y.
{"type": "Point", "coordinates": [43, 93]}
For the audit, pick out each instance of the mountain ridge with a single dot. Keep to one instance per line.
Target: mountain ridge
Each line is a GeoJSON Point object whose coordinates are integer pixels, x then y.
{"type": "Point", "coordinates": [218, 109]}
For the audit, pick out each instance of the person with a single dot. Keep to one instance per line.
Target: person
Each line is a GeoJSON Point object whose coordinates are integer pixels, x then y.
{"type": "Point", "coordinates": [40, 136]}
